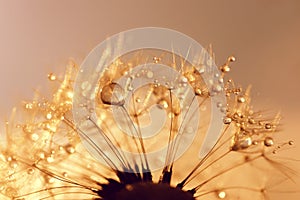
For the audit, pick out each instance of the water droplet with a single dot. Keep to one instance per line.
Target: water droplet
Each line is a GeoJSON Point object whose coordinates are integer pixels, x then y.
{"type": "Point", "coordinates": [29, 106]}
{"type": "Point", "coordinates": [49, 115]}
{"type": "Point", "coordinates": [219, 105]}
{"type": "Point", "coordinates": [163, 104]}
{"type": "Point", "coordinates": [138, 100]}
{"type": "Point", "coordinates": [41, 155]}
{"type": "Point", "coordinates": [245, 143]}
{"type": "Point", "coordinates": [198, 91]}
{"type": "Point", "coordinates": [231, 59]}
{"type": "Point", "coordinates": [112, 94]}
{"type": "Point", "coordinates": [269, 141]}
{"type": "Point", "coordinates": [227, 120]}
{"type": "Point", "coordinates": [268, 126]}
{"type": "Point", "coordinates": [156, 59]}
{"type": "Point", "coordinates": [70, 149]}
{"type": "Point", "coordinates": [34, 137]}
{"type": "Point", "coordinates": [291, 142]}
{"type": "Point", "coordinates": [13, 164]}
{"type": "Point", "coordinates": [50, 179]}
{"type": "Point", "coordinates": [242, 143]}
{"type": "Point", "coordinates": [225, 68]}
{"type": "Point", "coordinates": [222, 194]}
{"type": "Point", "coordinates": [241, 99]}
{"type": "Point", "coordinates": [51, 77]}
{"type": "Point", "coordinates": [27, 128]}
{"type": "Point", "coordinates": [65, 174]}
{"type": "Point", "coordinates": [50, 159]}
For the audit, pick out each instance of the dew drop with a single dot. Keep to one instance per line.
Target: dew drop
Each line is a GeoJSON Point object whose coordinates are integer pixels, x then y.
{"type": "Point", "coordinates": [198, 91]}
{"type": "Point", "coordinates": [231, 59]}
{"type": "Point", "coordinates": [13, 164]}
{"type": "Point", "coordinates": [129, 87]}
{"type": "Point", "coordinates": [222, 195]}
{"type": "Point", "coordinates": [138, 100]}
{"type": "Point", "coordinates": [51, 77]}
{"type": "Point", "coordinates": [219, 105]}
{"type": "Point", "coordinates": [268, 141]}
{"type": "Point", "coordinates": [242, 143]}
{"type": "Point", "coordinates": [227, 120]}
{"type": "Point", "coordinates": [65, 174]}
{"type": "Point", "coordinates": [163, 104]}
{"type": "Point", "coordinates": [50, 159]}
{"type": "Point", "coordinates": [34, 137]}
{"type": "Point", "coordinates": [268, 126]}
{"type": "Point", "coordinates": [291, 142]}
{"type": "Point", "coordinates": [50, 179]}
{"type": "Point", "coordinates": [70, 149]}
{"type": "Point", "coordinates": [156, 59]}
{"type": "Point", "coordinates": [112, 94]}
{"type": "Point", "coordinates": [241, 99]}
{"type": "Point", "coordinates": [245, 143]}
{"type": "Point", "coordinates": [49, 116]}
{"type": "Point", "coordinates": [41, 155]}
{"type": "Point", "coordinates": [225, 68]}
{"type": "Point", "coordinates": [29, 106]}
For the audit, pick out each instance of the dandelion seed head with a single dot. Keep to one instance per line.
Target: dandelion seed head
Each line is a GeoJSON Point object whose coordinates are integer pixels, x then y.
{"type": "Point", "coordinates": [46, 156]}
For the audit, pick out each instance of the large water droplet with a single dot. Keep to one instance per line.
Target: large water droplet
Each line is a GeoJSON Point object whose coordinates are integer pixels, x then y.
{"type": "Point", "coordinates": [112, 94]}
{"type": "Point", "coordinates": [269, 141]}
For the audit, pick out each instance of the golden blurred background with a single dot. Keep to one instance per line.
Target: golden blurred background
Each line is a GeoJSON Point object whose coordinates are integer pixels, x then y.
{"type": "Point", "coordinates": [38, 37]}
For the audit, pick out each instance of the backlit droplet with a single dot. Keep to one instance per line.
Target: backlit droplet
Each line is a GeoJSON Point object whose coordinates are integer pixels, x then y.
{"type": "Point", "coordinates": [138, 100]}
{"type": "Point", "coordinates": [227, 120]}
{"type": "Point", "coordinates": [242, 143]}
{"type": "Point", "coordinates": [231, 59]}
{"type": "Point", "coordinates": [268, 141]}
{"type": "Point", "coordinates": [51, 77]}
{"type": "Point", "coordinates": [245, 143]}
{"type": "Point", "coordinates": [13, 164]}
{"type": "Point", "coordinates": [50, 159]}
{"type": "Point", "coordinates": [225, 68]}
{"type": "Point", "coordinates": [222, 195]}
{"type": "Point", "coordinates": [29, 106]}
{"type": "Point", "coordinates": [156, 59]}
{"type": "Point", "coordinates": [241, 99]}
{"type": "Point", "coordinates": [268, 126]}
{"type": "Point", "coordinates": [112, 94]}
{"type": "Point", "coordinates": [65, 174]}
{"type": "Point", "coordinates": [34, 137]}
{"type": "Point", "coordinates": [70, 149]}
{"type": "Point", "coordinates": [291, 142]}
{"type": "Point", "coordinates": [50, 179]}
{"type": "Point", "coordinates": [163, 104]}
{"type": "Point", "coordinates": [49, 115]}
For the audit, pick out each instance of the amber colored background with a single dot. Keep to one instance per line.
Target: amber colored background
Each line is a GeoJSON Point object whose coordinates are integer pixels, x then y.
{"type": "Point", "coordinates": [37, 37]}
